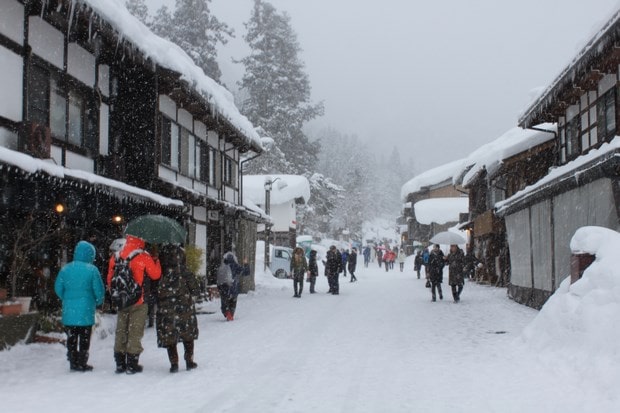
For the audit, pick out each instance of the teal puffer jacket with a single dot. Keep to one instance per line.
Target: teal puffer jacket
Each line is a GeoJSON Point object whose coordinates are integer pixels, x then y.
{"type": "Point", "coordinates": [79, 287]}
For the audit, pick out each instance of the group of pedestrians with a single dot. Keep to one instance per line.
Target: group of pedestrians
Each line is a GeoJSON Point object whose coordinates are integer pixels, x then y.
{"type": "Point", "coordinates": [335, 263]}
{"type": "Point", "coordinates": [80, 287]}
{"type": "Point", "coordinates": [436, 262]}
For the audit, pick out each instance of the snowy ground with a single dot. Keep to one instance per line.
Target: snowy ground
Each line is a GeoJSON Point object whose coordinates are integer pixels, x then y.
{"type": "Point", "coordinates": [380, 346]}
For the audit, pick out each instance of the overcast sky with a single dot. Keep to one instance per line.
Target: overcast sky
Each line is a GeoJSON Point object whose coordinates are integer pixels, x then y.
{"type": "Point", "coordinates": [436, 78]}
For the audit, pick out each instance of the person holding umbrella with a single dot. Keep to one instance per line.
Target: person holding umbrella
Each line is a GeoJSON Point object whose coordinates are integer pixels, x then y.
{"type": "Point", "coordinates": [131, 320]}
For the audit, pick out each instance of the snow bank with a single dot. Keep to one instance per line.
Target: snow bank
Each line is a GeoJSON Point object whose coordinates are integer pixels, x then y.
{"type": "Point", "coordinates": [440, 210]}
{"type": "Point", "coordinates": [580, 323]}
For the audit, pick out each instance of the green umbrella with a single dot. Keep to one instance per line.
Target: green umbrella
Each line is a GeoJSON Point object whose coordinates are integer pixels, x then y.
{"type": "Point", "coordinates": [157, 229]}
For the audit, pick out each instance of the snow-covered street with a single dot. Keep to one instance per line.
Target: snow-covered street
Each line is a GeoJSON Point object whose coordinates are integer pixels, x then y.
{"type": "Point", "coordinates": [381, 345]}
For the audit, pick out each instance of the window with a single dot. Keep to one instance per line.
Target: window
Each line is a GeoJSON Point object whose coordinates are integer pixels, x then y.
{"type": "Point", "coordinates": [229, 171]}
{"type": "Point", "coordinates": [572, 138]}
{"type": "Point", "coordinates": [182, 151]}
{"type": "Point", "coordinates": [607, 115]}
{"type": "Point", "coordinates": [72, 117]}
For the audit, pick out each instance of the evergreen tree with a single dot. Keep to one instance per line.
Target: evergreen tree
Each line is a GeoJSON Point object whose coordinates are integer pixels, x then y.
{"type": "Point", "coordinates": [278, 91]}
{"type": "Point", "coordinates": [139, 9]}
{"type": "Point", "coordinates": [196, 30]}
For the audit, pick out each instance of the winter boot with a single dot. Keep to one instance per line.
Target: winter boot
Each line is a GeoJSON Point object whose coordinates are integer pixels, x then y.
{"type": "Point", "coordinates": [174, 368]}
{"type": "Point", "coordinates": [173, 356]}
{"type": "Point", "coordinates": [121, 362]}
{"type": "Point", "coordinates": [82, 361]}
{"type": "Point", "coordinates": [132, 364]}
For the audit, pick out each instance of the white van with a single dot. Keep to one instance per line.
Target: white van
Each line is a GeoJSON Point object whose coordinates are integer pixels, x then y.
{"type": "Point", "coordinates": [281, 261]}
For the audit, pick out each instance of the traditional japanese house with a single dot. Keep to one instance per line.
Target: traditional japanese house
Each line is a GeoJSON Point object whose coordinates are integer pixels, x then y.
{"type": "Point", "coordinates": [582, 188]}
{"type": "Point", "coordinates": [430, 185]}
{"type": "Point", "coordinates": [102, 121]}
{"type": "Point", "coordinates": [492, 173]}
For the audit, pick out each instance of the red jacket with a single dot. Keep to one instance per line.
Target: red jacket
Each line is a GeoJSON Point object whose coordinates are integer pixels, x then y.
{"type": "Point", "coordinates": [141, 264]}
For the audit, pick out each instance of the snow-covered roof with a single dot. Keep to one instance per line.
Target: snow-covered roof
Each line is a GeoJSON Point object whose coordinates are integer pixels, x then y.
{"type": "Point", "coordinates": [570, 170]}
{"type": "Point", "coordinates": [492, 154]}
{"type": "Point", "coordinates": [440, 210]}
{"type": "Point", "coordinates": [431, 177]}
{"type": "Point", "coordinates": [172, 57]}
{"type": "Point", "coordinates": [604, 38]}
{"type": "Point", "coordinates": [33, 165]}
{"type": "Point", "coordinates": [286, 188]}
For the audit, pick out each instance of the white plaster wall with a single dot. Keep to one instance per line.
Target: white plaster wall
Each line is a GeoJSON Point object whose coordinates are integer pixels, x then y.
{"type": "Point", "coordinates": [11, 84]}
{"type": "Point", "coordinates": [77, 161]}
{"type": "Point", "coordinates": [104, 127]}
{"type": "Point", "coordinates": [81, 64]}
{"type": "Point", "coordinates": [46, 41]}
{"type": "Point", "coordinates": [12, 20]}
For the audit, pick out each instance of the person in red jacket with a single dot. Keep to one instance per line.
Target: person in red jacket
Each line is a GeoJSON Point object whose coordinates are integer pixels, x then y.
{"type": "Point", "coordinates": [131, 320]}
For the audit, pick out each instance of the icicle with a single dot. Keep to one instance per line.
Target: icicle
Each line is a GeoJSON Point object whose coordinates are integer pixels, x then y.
{"type": "Point", "coordinates": [71, 11]}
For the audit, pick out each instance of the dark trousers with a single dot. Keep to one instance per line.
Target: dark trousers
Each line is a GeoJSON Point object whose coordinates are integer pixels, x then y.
{"type": "Point", "coordinates": [298, 283]}
{"type": "Point", "coordinates": [312, 284]}
{"type": "Point", "coordinates": [78, 344]}
{"type": "Point", "coordinates": [332, 280]}
{"type": "Point", "coordinates": [228, 300]}
{"type": "Point", "coordinates": [353, 277]}
{"type": "Point", "coordinates": [436, 285]}
{"type": "Point", "coordinates": [456, 291]}
{"type": "Point", "coordinates": [402, 266]}
{"type": "Point", "coordinates": [173, 355]}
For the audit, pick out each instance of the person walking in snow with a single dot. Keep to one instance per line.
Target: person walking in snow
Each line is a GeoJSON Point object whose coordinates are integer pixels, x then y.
{"type": "Point", "coordinates": [333, 267]}
{"type": "Point", "coordinates": [229, 288]}
{"type": "Point", "coordinates": [344, 254]}
{"type": "Point", "coordinates": [313, 271]}
{"type": "Point", "coordinates": [352, 264]}
{"type": "Point", "coordinates": [80, 288]}
{"type": "Point", "coordinates": [176, 315]}
{"type": "Point", "coordinates": [401, 259]}
{"type": "Point", "coordinates": [456, 265]}
{"type": "Point", "coordinates": [130, 321]}
{"type": "Point", "coordinates": [299, 268]}
{"type": "Point", "coordinates": [379, 256]}
{"type": "Point", "coordinates": [366, 253]}
{"type": "Point", "coordinates": [418, 262]}
{"type": "Point", "coordinates": [435, 269]}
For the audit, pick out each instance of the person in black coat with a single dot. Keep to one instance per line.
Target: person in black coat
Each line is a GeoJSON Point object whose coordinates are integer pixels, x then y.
{"type": "Point", "coordinates": [435, 268]}
{"type": "Point", "coordinates": [418, 262]}
{"type": "Point", "coordinates": [333, 267]}
{"type": "Point", "coordinates": [313, 268]}
{"type": "Point", "coordinates": [352, 264]}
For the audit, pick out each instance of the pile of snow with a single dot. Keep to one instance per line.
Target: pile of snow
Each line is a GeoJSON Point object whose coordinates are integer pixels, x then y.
{"type": "Point", "coordinates": [580, 322]}
{"type": "Point", "coordinates": [431, 177]}
{"type": "Point", "coordinates": [440, 210]}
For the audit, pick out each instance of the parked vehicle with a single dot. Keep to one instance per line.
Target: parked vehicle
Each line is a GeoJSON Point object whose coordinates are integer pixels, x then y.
{"type": "Point", "coordinates": [281, 261]}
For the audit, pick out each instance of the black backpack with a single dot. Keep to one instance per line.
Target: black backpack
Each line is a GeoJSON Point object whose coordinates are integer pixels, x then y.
{"type": "Point", "coordinates": [124, 290]}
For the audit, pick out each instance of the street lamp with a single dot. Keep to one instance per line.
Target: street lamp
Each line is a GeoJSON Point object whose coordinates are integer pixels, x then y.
{"type": "Point", "coordinates": [268, 186]}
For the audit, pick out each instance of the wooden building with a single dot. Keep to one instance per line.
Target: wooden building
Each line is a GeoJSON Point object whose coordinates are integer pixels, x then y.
{"type": "Point", "coordinates": [582, 188]}
{"type": "Point", "coordinates": [492, 173]}
{"type": "Point", "coordinates": [115, 122]}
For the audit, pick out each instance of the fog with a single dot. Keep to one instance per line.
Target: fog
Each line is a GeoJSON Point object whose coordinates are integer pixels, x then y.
{"type": "Point", "coordinates": [436, 78]}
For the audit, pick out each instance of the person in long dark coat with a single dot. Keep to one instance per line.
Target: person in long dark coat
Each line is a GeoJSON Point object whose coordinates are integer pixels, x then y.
{"type": "Point", "coordinates": [352, 264]}
{"type": "Point", "coordinates": [456, 266]}
{"type": "Point", "coordinates": [418, 262]}
{"type": "Point", "coordinates": [313, 270]}
{"type": "Point", "coordinates": [435, 269]}
{"type": "Point", "coordinates": [176, 315]}
{"type": "Point", "coordinates": [333, 267]}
